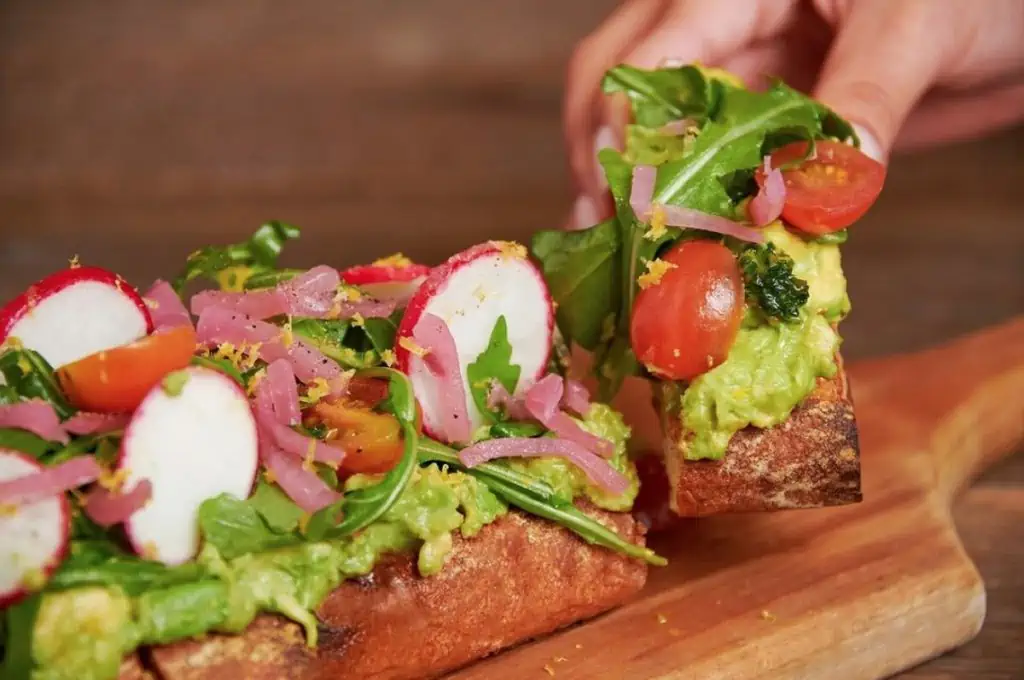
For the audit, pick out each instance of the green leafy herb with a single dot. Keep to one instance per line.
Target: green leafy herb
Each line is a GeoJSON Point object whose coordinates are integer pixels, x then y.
{"type": "Point", "coordinates": [101, 562]}
{"type": "Point", "coordinates": [770, 284]}
{"type": "Point", "coordinates": [20, 623]}
{"type": "Point", "coordinates": [26, 442]}
{"type": "Point", "coordinates": [260, 252]}
{"type": "Point", "coordinates": [361, 507]}
{"type": "Point", "coordinates": [351, 345]}
{"type": "Point", "coordinates": [712, 172]}
{"type": "Point", "coordinates": [273, 505]}
{"type": "Point", "coordinates": [663, 94]}
{"type": "Point", "coordinates": [222, 365]}
{"type": "Point", "coordinates": [493, 364]}
{"type": "Point", "coordinates": [537, 498]}
{"type": "Point", "coordinates": [270, 279]}
{"type": "Point", "coordinates": [516, 429]}
{"type": "Point", "coordinates": [77, 447]}
{"type": "Point", "coordinates": [583, 273]}
{"type": "Point", "coordinates": [9, 395]}
{"type": "Point", "coordinates": [31, 377]}
{"type": "Point", "coordinates": [236, 527]}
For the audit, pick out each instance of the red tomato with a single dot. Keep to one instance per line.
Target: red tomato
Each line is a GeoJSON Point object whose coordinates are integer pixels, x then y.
{"type": "Point", "coordinates": [116, 380]}
{"type": "Point", "coordinates": [372, 441]}
{"type": "Point", "coordinates": [685, 324]}
{"type": "Point", "coordinates": [832, 191]}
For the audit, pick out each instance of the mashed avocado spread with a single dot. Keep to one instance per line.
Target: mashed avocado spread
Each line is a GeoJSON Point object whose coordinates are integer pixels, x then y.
{"type": "Point", "coordinates": [773, 365]}
{"type": "Point", "coordinates": [83, 633]}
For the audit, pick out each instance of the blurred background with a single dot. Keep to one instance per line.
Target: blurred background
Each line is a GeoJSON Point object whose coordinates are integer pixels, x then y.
{"type": "Point", "coordinates": [131, 133]}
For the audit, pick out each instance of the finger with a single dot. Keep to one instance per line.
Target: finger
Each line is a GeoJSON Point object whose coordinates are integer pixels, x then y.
{"type": "Point", "coordinates": [708, 31]}
{"type": "Point", "coordinates": [944, 118]}
{"type": "Point", "coordinates": [884, 58]}
{"type": "Point", "coordinates": [597, 53]}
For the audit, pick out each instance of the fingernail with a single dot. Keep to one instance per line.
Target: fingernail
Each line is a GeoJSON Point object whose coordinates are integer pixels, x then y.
{"type": "Point", "coordinates": [584, 213]}
{"type": "Point", "coordinates": [604, 139]}
{"type": "Point", "coordinates": [869, 144]}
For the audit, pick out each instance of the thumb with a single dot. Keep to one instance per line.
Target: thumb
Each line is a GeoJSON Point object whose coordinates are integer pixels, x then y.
{"type": "Point", "coordinates": [884, 58]}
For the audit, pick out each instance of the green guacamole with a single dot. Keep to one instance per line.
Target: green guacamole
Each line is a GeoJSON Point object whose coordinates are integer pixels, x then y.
{"type": "Point", "coordinates": [293, 580]}
{"type": "Point", "coordinates": [772, 366]}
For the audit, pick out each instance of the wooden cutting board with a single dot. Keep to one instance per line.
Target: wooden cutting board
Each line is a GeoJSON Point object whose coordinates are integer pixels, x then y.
{"type": "Point", "coordinates": [861, 591]}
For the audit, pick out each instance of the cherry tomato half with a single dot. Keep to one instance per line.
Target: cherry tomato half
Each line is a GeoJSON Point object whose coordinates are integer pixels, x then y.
{"type": "Point", "coordinates": [685, 324]}
{"type": "Point", "coordinates": [372, 441]}
{"type": "Point", "coordinates": [830, 192]}
{"type": "Point", "coordinates": [116, 380]}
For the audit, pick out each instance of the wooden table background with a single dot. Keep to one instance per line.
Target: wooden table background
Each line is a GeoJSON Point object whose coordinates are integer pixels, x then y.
{"type": "Point", "coordinates": [133, 132]}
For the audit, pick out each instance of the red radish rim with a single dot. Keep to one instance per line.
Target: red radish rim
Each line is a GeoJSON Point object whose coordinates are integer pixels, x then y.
{"type": "Point", "coordinates": [374, 273]}
{"type": "Point", "coordinates": [14, 310]}
{"type": "Point", "coordinates": [435, 283]}
{"type": "Point", "coordinates": [122, 451]}
{"type": "Point", "coordinates": [13, 596]}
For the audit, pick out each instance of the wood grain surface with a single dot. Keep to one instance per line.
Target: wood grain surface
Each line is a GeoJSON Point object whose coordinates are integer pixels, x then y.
{"type": "Point", "coordinates": [860, 591]}
{"type": "Point", "coordinates": [131, 133]}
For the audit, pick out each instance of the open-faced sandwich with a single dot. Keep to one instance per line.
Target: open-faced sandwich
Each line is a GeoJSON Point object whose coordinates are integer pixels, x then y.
{"type": "Point", "coordinates": [719, 280]}
{"type": "Point", "coordinates": [375, 473]}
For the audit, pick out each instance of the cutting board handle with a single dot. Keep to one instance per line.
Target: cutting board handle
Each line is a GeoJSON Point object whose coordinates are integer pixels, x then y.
{"type": "Point", "coordinates": [961, 404]}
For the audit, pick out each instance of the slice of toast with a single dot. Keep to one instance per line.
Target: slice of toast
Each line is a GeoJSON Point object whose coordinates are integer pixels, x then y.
{"type": "Point", "coordinates": [811, 460]}
{"type": "Point", "coordinates": [520, 578]}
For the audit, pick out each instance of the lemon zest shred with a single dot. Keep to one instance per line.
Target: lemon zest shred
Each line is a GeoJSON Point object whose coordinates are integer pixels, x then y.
{"type": "Point", "coordinates": [510, 249]}
{"type": "Point", "coordinates": [388, 357]}
{"type": "Point", "coordinates": [358, 320]}
{"type": "Point", "coordinates": [656, 270]}
{"type": "Point", "coordinates": [396, 260]}
{"type": "Point", "coordinates": [657, 227]}
{"type": "Point", "coordinates": [112, 481]}
{"type": "Point", "coordinates": [410, 345]}
{"type": "Point", "coordinates": [73, 262]}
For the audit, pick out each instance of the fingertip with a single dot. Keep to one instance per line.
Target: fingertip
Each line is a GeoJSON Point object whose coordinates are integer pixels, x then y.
{"type": "Point", "coordinates": [869, 144]}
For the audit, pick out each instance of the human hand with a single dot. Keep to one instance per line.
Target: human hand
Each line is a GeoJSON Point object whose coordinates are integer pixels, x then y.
{"type": "Point", "coordinates": [906, 72]}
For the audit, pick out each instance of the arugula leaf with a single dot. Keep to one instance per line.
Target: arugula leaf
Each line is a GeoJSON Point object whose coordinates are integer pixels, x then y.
{"type": "Point", "coordinates": [733, 141]}
{"type": "Point", "coordinates": [222, 365]}
{"type": "Point", "coordinates": [582, 269]}
{"type": "Point", "coordinates": [9, 395]}
{"type": "Point", "coordinates": [646, 146]}
{"type": "Point", "coordinates": [516, 429]}
{"type": "Point", "coordinates": [350, 345]}
{"type": "Point", "coordinates": [100, 562]}
{"type": "Point", "coordinates": [31, 377]}
{"type": "Point", "coordinates": [26, 442]}
{"type": "Point", "coordinates": [361, 507]}
{"type": "Point", "coordinates": [235, 527]}
{"type": "Point", "coordinates": [279, 512]}
{"type": "Point", "coordinates": [270, 279]}
{"type": "Point", "coordinates": [260, 252]}
{"type": "Point", "coordinates": [664, 94]}
{"type": "Point", "coordinates": [536, 497]}
{"type": "Point", "coordinates": [834, 238]}
{"type": "Point", "coordinates": [20, 623]}
{"type": "Point", "coordinates": [494, 363]}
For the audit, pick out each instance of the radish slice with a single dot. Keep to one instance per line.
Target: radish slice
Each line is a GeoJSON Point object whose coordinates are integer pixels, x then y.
{"type": "Point", "coordinates": [469, 292]}
{"type": "Point", "coordinates": [395, 278]}
{"type": "Point", "coordinates": [74, 313]}
{"type": "Point", "coordinates": [191, 443]}
{"type": "Point", "coordinates": [35, 535]}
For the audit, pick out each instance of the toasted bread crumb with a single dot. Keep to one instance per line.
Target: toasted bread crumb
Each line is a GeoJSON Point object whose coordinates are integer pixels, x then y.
{"type": "Point", "coordinates": [768, 616]}
{"type": "Point", "coordinates": [549, 670]}
{"type": "Point", "coordinates": [662, 618]}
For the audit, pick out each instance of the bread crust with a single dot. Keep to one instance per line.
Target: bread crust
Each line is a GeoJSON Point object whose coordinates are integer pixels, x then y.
{"type": "Point", "coordinates": [811, 460]}
{"type": "Point", "coordinates": [521, 577]}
